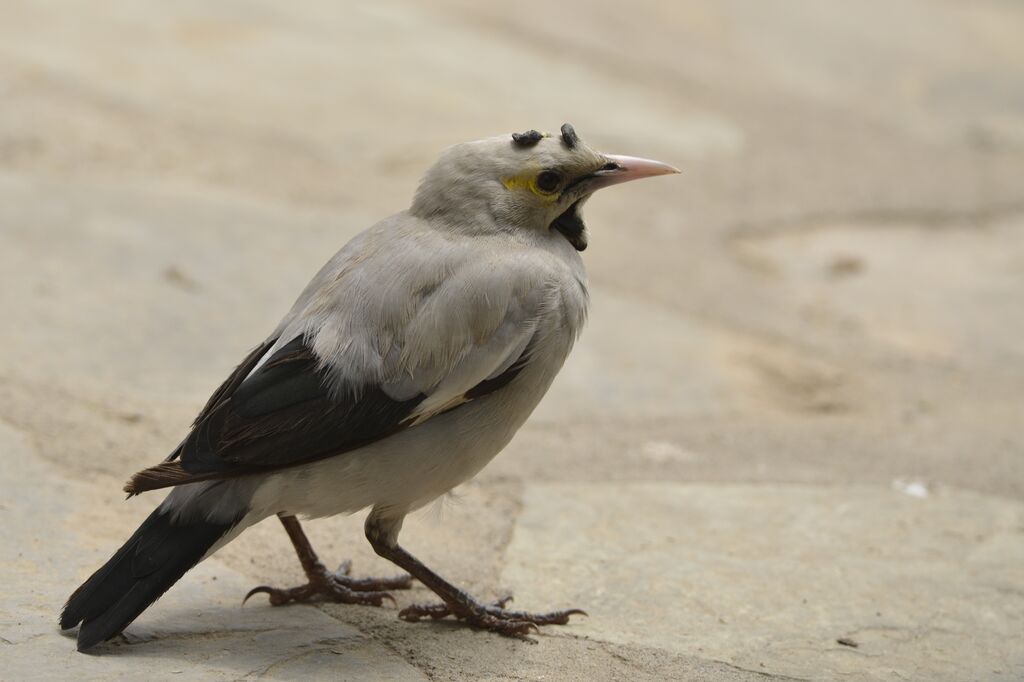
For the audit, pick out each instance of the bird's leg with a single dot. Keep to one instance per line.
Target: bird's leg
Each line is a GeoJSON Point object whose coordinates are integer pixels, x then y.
{"type": "Point", "coordinates": [325, 585]}
{"type": "Point", "coordinates": [383, 536]}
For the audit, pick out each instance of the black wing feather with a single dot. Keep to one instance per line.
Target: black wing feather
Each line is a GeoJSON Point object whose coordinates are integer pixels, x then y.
{"type": "Point", "coordinates": [232, 383]}
{"type": "Point", "coordinates": [284, 415]}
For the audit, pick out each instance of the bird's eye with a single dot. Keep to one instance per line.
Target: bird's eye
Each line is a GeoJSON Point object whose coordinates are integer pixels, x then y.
{"type": "Point", "coordinates": [548, 181]}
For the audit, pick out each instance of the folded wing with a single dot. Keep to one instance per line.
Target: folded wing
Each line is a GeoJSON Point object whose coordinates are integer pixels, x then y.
{"type": "Point", "coordinates": [298, 400]}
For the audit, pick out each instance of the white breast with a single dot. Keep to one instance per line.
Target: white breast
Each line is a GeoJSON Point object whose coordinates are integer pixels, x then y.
{"type": "Point", "coordinates": [412, 468]}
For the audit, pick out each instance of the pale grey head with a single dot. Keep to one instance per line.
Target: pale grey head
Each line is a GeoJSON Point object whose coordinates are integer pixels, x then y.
{"type": "Point", "coordinates": [524, 181]}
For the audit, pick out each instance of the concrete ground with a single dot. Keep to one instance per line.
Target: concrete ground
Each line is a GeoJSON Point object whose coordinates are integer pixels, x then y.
{"type": "Point", "coordinates": [788, 445]}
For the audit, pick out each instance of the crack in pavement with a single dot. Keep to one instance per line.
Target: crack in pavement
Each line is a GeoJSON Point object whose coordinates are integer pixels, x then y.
{"type": "Point", "coordinates": [761, 673]}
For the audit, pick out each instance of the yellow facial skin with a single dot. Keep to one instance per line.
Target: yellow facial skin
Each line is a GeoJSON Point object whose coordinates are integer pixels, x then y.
{"type": "Point", "coordinates": [528, 181]}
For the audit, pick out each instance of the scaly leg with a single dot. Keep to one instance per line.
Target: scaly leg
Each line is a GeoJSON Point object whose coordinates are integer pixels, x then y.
{"type": "Point", "coordinates": [325, 585]}
{"type": "Point", "coordinates": [383, 536]}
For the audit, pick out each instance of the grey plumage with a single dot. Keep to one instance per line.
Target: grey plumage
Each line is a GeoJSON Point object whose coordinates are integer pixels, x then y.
{"type": "Point", "coordinates": [406, 364]}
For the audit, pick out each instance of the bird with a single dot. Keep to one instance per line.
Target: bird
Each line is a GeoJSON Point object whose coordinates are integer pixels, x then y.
{"type": "Point", "coordinates": [405, 365]}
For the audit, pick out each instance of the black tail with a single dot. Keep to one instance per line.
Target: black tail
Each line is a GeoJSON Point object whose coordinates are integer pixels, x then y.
{"type": "Point", "coordinates": [152, 560]}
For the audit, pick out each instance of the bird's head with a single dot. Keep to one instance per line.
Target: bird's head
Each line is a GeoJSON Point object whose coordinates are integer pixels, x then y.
{"type": "Point", "coordinates": [530, 180]}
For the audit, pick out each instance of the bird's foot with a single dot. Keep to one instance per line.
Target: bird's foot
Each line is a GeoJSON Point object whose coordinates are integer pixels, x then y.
{"type": "Point", "coordinates": [493, 617]}
{"type": "Point", "coordinates": [337, 587]}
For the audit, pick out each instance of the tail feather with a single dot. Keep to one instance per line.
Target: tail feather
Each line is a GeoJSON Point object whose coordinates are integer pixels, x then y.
{"type": "Point", "coordinates": [152, 560]}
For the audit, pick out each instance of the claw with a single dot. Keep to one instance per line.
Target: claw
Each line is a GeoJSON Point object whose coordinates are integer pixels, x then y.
{"type": "Point", "coordinates": [502, 601]}
{"type": "Point", "coordinates": [277, 597]}
{"type": "Point", "coordinates": [521, 628]}
{"type": "Point", "coordinates": [336, 587]}
{"type": "Point", "coordinates": [415, 612]}
{"type": "Point", "coordinates": [256, 590]}
{"type": "Point", "coordinates": [493, 617]}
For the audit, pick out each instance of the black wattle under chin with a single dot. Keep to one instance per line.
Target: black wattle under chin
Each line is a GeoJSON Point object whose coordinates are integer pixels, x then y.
{"type": "Point", "coordinates": [570, 224]}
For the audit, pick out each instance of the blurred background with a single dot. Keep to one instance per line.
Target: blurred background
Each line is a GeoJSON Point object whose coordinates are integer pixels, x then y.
{"type": "Point", "coordinates": [788, 444]}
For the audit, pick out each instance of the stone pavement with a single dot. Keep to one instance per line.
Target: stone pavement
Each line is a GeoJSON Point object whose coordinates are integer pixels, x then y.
{"type": "Point", "coordinates": [788, 445]}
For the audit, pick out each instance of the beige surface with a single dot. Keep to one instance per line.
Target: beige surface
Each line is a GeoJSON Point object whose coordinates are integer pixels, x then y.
{"type": "Point", "coordinates": [794, 417]}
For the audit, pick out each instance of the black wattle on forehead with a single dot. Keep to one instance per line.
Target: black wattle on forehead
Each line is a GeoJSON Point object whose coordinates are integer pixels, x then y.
{"type": "Point", "coordinates": [527, 139]}
{"type": "Point", "coordinates": [569, 136]}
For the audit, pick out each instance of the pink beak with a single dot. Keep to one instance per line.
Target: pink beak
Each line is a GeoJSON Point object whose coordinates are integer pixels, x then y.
{"type": "Point", "coordinates": [626, 168]}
